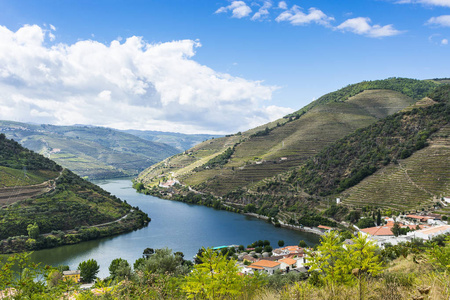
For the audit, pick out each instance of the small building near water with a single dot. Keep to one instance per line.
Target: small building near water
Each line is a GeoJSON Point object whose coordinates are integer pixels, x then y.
{"type": "Point", "coordinates": [72, 275]}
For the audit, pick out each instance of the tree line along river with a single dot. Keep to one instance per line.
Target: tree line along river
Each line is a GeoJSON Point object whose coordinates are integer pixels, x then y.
{"type": "Point", "coordinates": [176, 225]}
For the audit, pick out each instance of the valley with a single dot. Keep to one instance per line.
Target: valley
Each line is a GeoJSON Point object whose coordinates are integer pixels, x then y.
{"type": "Point", "coordinates": [347, 145]}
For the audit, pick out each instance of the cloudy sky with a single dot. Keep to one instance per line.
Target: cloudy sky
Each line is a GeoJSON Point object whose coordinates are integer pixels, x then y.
{"type": "Point", "coordinates": [202, 66]}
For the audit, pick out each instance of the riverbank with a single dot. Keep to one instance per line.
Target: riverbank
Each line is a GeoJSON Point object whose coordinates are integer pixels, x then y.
{"type": "Point", "coordinates": [133, 220]}
{"type": "Point", "coordinates": [194, 197]}
{"type": "Point", "coordinates": [288, 226]}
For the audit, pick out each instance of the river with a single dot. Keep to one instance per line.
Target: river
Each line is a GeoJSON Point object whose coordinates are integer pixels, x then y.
{"type": "Point", "coordinates": [176, 225]}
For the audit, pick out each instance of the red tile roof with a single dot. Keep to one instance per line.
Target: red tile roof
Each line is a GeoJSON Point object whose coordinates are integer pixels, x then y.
{"type": "Point", "coordinates": [288, 261]}
{"type": "Point", "coordinates": [265, 263]}
{"type": "Point", "coordinates": [324, 227]}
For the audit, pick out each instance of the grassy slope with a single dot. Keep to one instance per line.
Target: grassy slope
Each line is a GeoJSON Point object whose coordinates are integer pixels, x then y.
{"type": "Point", "coordinates": [89, 151]}
{"type": "Point", "coordinates": [63, 202]}
{"type": "Point", "coordinates": [296, 141]}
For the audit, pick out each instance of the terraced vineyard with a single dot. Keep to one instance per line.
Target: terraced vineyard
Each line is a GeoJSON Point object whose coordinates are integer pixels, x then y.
{"type": "Point", "coordinates": [286, 145]}
{"type": "Point", "coordinates": [416, 182]}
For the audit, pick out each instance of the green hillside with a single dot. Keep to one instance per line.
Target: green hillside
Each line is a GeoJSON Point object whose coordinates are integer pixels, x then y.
{"type": "Point", "coordinates": [287, 143]}
{"type": "Point", "coordinates": [398, 163]}
{"type": "Point", "coordinates": [60, 203]}
{"type": "Point", "coordinates": [360, 154]}
{"type": "Point", "coordinates": [95, 152]}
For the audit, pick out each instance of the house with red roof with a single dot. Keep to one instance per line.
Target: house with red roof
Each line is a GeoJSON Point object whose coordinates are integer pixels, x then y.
{"type": "Point", "coordinates": [265, 265]}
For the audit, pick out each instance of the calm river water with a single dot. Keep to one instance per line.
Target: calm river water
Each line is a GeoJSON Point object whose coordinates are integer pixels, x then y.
{"type": "Point", "coordinates": [176, 225]}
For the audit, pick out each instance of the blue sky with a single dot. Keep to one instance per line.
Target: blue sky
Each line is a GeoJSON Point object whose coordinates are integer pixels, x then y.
{"type": "Point", "coordinates": [205, 66]}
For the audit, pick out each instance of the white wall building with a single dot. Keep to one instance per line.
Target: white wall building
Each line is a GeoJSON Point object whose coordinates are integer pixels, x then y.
{"type": "Point", "coordinates": [429, 233]}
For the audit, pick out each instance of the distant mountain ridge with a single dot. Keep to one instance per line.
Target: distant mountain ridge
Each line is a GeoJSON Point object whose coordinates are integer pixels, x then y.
{"type": "Point", "coordinates": [91, 151]}
{"type": "Point", "coordinates": [180, 141]}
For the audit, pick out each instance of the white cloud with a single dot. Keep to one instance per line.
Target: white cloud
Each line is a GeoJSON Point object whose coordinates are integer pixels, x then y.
{"type": "Point", "coordinates": [443, 21]}
{"type": "Point", "coordinates": [52, 27]}
{"type": "Point", "coordinates": [282, 5]}
{"type": "Point", "coordinates": [263, 11]}
{"type": "Point", "coordinates": [444, 42]}
{"type": "Point", "coordinates": [445, 3]}
{"type": "Point", "coordinates": [239, 9]}
{"type": "Point", "coordinates": [296, 16]}
{"type": "Point", "coordinates": [362, 26]}
{"type": "Point", "coordinates": [131, 84]}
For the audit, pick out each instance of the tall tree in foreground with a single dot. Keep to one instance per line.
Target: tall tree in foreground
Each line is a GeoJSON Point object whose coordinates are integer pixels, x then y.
{"type": "Point", "coordinates": [363, 259]}
{"type": "Point", "coordinates": [335, 264]}
{"type": "Point", "coordinates": [216, 277]}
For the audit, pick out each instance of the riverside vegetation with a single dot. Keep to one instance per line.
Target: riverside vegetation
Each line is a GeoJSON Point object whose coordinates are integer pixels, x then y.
{"type": "Point", "coordinates": [348, 144]}
{"type": "Point", "coordinates": [44, 205]}
{"type": "Point", "coordinates": [413, 270]}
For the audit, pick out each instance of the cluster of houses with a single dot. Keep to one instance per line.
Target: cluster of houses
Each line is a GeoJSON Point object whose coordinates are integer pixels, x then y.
{"type": "Point", "coordinates": [424, 227]}
{"type": "Point", "coordinates": [285, 259]}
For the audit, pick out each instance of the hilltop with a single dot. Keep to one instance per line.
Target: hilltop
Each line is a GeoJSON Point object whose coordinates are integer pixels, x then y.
{"type": "Point", "coordinates": [66, 209]}
{"type": "Point", "coordinates": [325, 150]}
{"type": "Point", "coordinates": [95, 152]}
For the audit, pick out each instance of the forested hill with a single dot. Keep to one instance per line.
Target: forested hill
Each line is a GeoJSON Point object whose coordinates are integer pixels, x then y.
{"type": "Point", "coordinates": [398, 164]}
{"type": "Point", "coordinates": [37, 192]}
{"type": "Point", "coordinates": [246, 159]}
{"type": "Point", "coordinates": [13, 155]}
{"type": "Point", "coordinates": [95, 152]}
{"type": "Point", "coordinates": [348, 161]}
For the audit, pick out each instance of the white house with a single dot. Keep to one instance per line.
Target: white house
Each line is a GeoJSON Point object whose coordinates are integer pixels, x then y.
{"type": "Point", "coordinates": [287, 264]}
{"type": "Point", "coordinates": [265, 265]}
{"type": "Point", "coordinates": [429, 233]}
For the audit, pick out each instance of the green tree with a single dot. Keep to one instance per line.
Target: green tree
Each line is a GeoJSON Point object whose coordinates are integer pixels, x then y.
{"type": "Point", "coordinates": [88, 270]}
{"type": "Point", "coordinates": [33, 230]}
{"type": "Point", "coordinates": [396, 229]}
{"type": "Point", "coordinates": [440, 255]}
{"type": "Point", "coordinates": [334, 264]}
{"type": "Point", "coordinates": [363, 259]}
{"type": "Point", "coordinates": [119, 269]}
{"type": "Point", "coordinates": [148, 252]}
{"type": "Point", "coordinates": [268, 248]}
{"type": "Point", "coordinates": [378, 218]}
{"type": "Point", "coordinates": [280, 243]}
{"type": "Point", "coordinates": [216, 277]}
{"type": "Point", "coordinates": [365, 223]}
{"type": "Point", "coordinates": [162, 262]}
{"type": "Point", "coordinates": [329, 261]}
{"type": "Point", "coordinates": [26, 279]}
{"type": "Point", "coordinates": [302, 244]}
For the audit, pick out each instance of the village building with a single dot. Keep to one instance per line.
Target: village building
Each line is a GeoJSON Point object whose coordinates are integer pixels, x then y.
{"type": "Point", "coordinates": [287, 264]}
{"type": "Point", "coordinates": [169, 183]}
{"type": "Point", "coordinates": [429, 233]}
{"type": "Point", "coordinates": [72, 276]}
{"type": "Point", "coordinates": [324, 228]}
{"type": "Point", "coordinates": [423, 219]}
{"type": "Point", "coordinates": [265, 265]}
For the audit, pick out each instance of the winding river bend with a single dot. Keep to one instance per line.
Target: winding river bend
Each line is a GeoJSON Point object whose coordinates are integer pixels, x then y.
{"type": "Point", "coordinates": [176, 225]}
